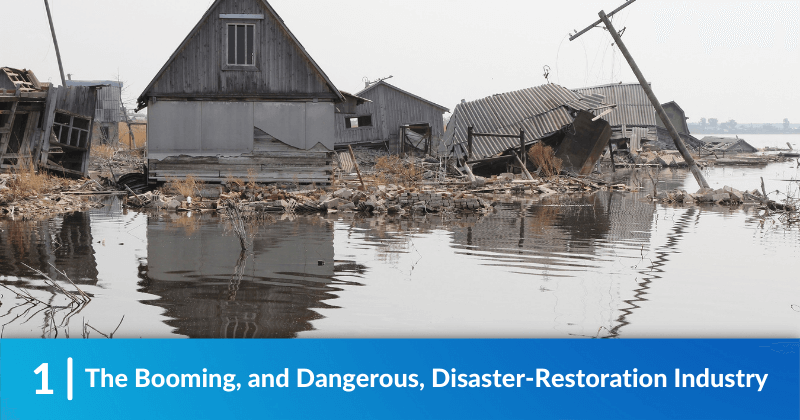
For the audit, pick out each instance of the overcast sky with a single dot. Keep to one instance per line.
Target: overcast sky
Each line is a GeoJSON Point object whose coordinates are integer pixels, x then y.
{"type": "Point", "coordinates": [725, 59]}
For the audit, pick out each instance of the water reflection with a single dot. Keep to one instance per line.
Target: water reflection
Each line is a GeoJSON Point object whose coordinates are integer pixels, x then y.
{"type": "Point", "coordinates": [609, 264]}
{"type": "Point", "coordinates": [64, 241]}
{"type": "Point", "coordinates": [211, 289]}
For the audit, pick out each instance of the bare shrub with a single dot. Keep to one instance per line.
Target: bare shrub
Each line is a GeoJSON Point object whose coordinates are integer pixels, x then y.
{"type": "Point", "coordinates": [185, 187]}
{"type": "Point", "coordinates": [545, 159]}
{"type": "Point", "coordinates": [230, 181]}
{"type": "Point", "coordinates": [393, 170]}
{"type": "Point", "coordinates": [251, 179]}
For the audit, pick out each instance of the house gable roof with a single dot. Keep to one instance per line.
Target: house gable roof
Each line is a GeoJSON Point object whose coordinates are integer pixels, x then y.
{"type": "Point", "coordinates": [142, 100]}
{"type": "Point", "coordinates": [383, 83]}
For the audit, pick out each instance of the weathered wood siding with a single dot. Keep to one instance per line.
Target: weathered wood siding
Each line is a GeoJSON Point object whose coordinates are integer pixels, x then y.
{"type": "Point", "coordinates": [269, 161]}
{"type": "Point", "coordinates": [390, 109]}
{"type": "Point", "coordinates": [78, 100]}
{"type": "Point", "coordinates": [283, 70]}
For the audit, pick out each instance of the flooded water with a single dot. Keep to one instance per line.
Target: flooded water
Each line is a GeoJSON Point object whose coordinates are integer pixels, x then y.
{"type": "Point", "coordinates": [609, 264]}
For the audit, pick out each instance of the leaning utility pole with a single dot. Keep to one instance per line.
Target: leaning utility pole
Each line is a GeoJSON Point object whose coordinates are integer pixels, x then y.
{"type": "Point", "coordinates": [55, 41]}
{"type": "Point", "coordinates": [650, 95]}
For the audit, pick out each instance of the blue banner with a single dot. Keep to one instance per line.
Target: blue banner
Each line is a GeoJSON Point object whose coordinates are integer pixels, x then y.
{"type": "Point", "coordinates": [287, 379]}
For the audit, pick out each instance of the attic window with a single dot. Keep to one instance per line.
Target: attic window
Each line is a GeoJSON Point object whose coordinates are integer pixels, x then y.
{"type": "Point", "coordinates": [240, 44]}
{"type": "Point", "coordinates": [356, 122]}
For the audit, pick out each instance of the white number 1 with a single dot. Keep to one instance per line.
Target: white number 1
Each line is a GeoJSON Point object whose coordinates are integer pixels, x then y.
{"type": "Point", "coordinates": [43, 370]}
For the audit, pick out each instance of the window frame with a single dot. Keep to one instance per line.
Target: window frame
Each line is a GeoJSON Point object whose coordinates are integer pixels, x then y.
{"type": "Point", "coordinates": [348, 123]}
{"type": "Point", "coordinates": [226, 44]}
{"type": "Point", "coordinates": [83, 134]}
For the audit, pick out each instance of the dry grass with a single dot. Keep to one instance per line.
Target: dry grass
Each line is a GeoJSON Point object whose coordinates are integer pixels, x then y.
{"type": "Point", "coordinates": [251, 179]}
{"type": "Point", "coordinates": [393, 170]}
{"type": "Point", "coordinates": [230, 180]}
{"type": "Point", "coordinates": [545, 159]}
{"type": "Point", "coordinates": [186, 187]}
{"type": "Point", "coordinates": [104, 151]}
{"type": "Point", "coordinates": [26, 181]}
{"type": "Point", "coordinates": [139, 133]}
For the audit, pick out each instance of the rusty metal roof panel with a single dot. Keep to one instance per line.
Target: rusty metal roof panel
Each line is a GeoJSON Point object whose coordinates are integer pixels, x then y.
{"type": "Point", "coordinates": [633, 106]}
{"type": "Point", "coordinates": [540, 111]}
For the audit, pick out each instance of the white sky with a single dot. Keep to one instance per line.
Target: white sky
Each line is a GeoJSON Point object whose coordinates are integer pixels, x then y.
{"type": "Point", "coordinates": [725, 59]}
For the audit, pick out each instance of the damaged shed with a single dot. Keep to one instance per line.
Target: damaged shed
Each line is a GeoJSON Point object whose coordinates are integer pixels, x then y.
{"type": "Point", "coordinates": [634, 123]}
{"type": "Point", "coordinates": [109, 111]}
{"type": "Point", "coordinates": [389, 116]}
{"type": "Point", "coordinates": [240, 97]}
{"type": "Point", "coordinates": [727, 145]}
{"type": "Point", "coordinates": [43, 125]}
{"type": "Point", "coordinates": [557, 116]}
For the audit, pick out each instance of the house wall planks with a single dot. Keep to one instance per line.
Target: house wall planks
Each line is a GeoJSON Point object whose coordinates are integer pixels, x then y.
{"type": "Point", "coordinates": [389, 109]}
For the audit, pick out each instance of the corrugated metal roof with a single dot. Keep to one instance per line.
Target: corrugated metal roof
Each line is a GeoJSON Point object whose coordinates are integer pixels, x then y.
{"type": "Point", "coordinates": [540, 111]}
{"type": "Point", "coordinates": [633, 106]}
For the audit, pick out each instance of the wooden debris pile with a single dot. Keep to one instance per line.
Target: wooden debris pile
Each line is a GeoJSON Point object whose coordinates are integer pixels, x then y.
{"type": "Point", "coordinates": [34, 196]}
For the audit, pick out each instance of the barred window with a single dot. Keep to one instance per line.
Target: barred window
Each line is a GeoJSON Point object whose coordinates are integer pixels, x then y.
{"type": "Point", "coordinates": [241, 51]}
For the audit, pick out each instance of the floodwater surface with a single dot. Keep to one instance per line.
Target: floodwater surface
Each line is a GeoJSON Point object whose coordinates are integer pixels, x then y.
{"type": "Point", "coordinates": [610, 264]}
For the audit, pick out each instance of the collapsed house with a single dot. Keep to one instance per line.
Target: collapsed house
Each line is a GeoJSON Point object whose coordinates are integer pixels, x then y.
{"type": "Point", "coordinates": [727, 145]}
{"type": "Point", "coordinates": [635, 126]}
{"type": "Point", "coordinates": [552, 114]}
{"type": "Point", "coordinates": [109, 110]}
{"type": "Point", "coordinates": [43, 125]}
{"type": "Point", "coordinates": [389, 117]}
{"type": "Point", "coordinates": [240, 97]}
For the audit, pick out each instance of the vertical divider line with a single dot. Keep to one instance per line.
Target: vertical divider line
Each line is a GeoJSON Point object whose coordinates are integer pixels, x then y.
{"type": "Point", "coordinates": [69, 379]}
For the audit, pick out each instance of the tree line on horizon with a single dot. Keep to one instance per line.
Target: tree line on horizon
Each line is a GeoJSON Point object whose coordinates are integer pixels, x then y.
{"type": "Point", "coordinates": [712, 125]}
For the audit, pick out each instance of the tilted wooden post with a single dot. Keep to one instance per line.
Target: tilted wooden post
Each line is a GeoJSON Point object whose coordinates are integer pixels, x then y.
{"type": "Point", "coordinates": [469, 144]}
{"type": "Point", "coordinates": [522, 155]}
{"type": "Point", "coordinates": [656, 104]}
{"type": "Point", "coordinates": [611, 155]}
{"type": "Point", "coordinates": [55, 42]}
{"type": "Point", "coordinates": [355, 163]}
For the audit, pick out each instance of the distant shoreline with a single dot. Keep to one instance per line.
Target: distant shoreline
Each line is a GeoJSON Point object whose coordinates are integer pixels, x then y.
{"type": "Point", "coordinates": [695, 130]}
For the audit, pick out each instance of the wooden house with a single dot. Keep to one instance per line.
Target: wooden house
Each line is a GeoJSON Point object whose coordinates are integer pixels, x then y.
{"type": "Point", "coordinates": [44, 125]}
{"type": "Point", "coordinates": [240, 97]}
{"type": "Point", "coordinates": [382, 118]}
{"type": "Point", "coordinates": [108, 111]}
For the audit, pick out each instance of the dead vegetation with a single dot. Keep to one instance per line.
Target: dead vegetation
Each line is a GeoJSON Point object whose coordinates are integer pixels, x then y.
{"type": "Point", "coordinates": [32, 194]}
{"type": "Point", "coordinates": [26, 181]}
{"type": "Point", "coordinates": [139, 133]}
{"type": "Point", "coordinates": [186, 187]}
{"type": "Point", "coordinates": [103, 151]}
{"type": "Point", "coordinates": [545, 159]}
{"type": "Point", "coordinates": [394, 170]}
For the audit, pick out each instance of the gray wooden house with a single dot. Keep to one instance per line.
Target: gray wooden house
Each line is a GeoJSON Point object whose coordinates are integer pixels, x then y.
{"type": "Point", "coordinates": [108, 111]}
{"type": "Point", "coordinates": [239, 95]}
{"type": "Point", "coordinates": [381, 119]}
{"type": "Point", "coordinates": [49, 126]}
